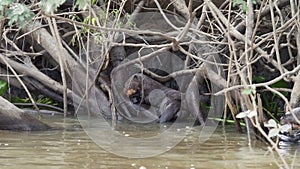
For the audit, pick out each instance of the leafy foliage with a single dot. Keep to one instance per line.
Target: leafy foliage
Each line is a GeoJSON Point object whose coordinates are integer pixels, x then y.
{"type": "Point", "coordinates": [82, 4]}
{"type": "Point", "coordinates": [281, 84]}
{"type": "Point", "coordinates": [5, 3]}
{"type": "Point", "coordinates": [258, 79]}
{"type": "Point", "coordinates": [20, 14]}
{"type": "Point", "coordinates": [274, 131]}
{"type": "Point", "coordinates": [16, 12]}
{"type": "Point", "coordinates": [249, 90]}
{"type": "Point", "coordinates": [44, 100]}
{"type": "Point", "coordinates": [242, 3]}
{"type": "Point", "coordinates": [93, 2]}
{"type": "Point", "coordinates": [275, 128]}
{"type": "Point", "coordinates": [51, 5]}
{"type": "Point", "coordinates": [271, 101]}
{"type": "Point", "coordinates": [247, 113]}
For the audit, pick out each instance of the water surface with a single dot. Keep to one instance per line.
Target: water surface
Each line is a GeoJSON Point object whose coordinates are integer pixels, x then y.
{"type": "Point", "coordinates": [72, 148]}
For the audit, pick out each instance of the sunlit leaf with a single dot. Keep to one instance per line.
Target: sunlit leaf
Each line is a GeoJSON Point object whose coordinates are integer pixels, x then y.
{"type": "Point", "coordinates": [18, 9]}
{"type": "Point", "coordinates": [252, 114]}
{"type": "Point", "coordinates": [271, 123]}
{"type": "Point", "coordinates": [253, 90]}
{"type": "Point", "coordinates": [237, 2]}
{"type": "Point", "coordinates": [242, 114]}
{"type": "Point", "coordinates": [20, 100]}
{"type": "Point", "coordinates": [94, 2]}
{"type": "Point", "coordinates": [82, 4]}
{"type": "Point", "coordinates": [285, 128]}
{"type": "Point", "coordinates": [273, 132]}
{"type": "Point", "coordinates": [6, 2]}
{"type": "Point", "coordinates": [94, 21]}
{"type": "Point", "coordinates": [246, 91]}
{"type": "Point", "coordinates": [51, 5]}
{"type": "Point", "coordinates": [12, 20]}
{"type": "Point", "coordinates": [249, 90]}
{"type": "Point", "coordinates": [244, 7]}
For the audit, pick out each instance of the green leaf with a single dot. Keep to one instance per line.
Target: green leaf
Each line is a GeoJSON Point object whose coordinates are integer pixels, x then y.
{"type": "Point", "coordinates": [244, 7]}
{"type": "Point", "coordinates": [6, 2]}
{"type": "Point", "coordinates": [280, 84]}
{"type": "Point", "coordinates": [12, 20]}
{"type": "Point", "coordinates": [20, 100]}
{"type": "Point", "coordinates": [51, 5]}
{"type": "Point", "coordinates": [82, 4]}
{"type": "Point", "coordinates": [18, 9]}
{"type": "Point", "coordinates": [237, 2]}
{"type": "Point", "coordinates": [258, 79]}
{"type": "Point", "coordinates": [3, 87]}
{"type": "Point", "coordinates": [73, 40]}
{"type": "Point", "coordinates": [94, 2]}
{"type": "Point", "coordinates": [246, 91]}
{"type": "Point", "coordinates": [20, 14]}
{"type": "Point", "coordinates": [242, 3]}
{"type": "Point", "coordinates": [94, 21]}
{"type": "Point", "coordinates": [249, 90]}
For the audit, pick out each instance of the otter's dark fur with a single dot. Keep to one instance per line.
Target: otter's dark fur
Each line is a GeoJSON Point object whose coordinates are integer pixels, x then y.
{"type": "Point", "coordinates": [138, 89]}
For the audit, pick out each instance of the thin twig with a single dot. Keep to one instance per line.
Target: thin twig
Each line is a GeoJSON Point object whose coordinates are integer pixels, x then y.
{"type": "Point", "coordinates": [55, 33]}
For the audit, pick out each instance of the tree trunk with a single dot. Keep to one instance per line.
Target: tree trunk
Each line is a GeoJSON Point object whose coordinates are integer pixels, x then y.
{"type": "Point", "coordinates": [13, 118]}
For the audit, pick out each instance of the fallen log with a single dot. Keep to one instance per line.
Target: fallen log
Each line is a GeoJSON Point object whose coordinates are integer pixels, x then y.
{"type": "Point", "coordinates": [13, 118]}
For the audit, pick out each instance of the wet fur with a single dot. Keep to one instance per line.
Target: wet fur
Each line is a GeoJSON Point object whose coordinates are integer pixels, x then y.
{"type": "Point", "coordinates": [138, 89]}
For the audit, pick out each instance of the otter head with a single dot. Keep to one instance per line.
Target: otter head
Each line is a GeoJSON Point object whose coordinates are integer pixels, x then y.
{"type": "Point", "coordinates": [133, 90]}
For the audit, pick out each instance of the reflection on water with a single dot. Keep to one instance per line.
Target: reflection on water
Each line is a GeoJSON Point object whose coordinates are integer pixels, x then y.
{"type": "Point", "coordinates": [72, 148]}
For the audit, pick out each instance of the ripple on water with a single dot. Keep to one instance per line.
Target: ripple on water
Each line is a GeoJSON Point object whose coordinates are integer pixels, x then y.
{"type": "Point", "coordinates": [74, 149]}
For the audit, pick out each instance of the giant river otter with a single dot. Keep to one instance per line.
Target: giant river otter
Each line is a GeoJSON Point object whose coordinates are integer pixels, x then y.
{"type": "Point", "coordinates": [142, 90]}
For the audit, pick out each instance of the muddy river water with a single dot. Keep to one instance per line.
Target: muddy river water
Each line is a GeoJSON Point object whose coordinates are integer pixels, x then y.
{"type": "Point", "coordinates": [72, 148]}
